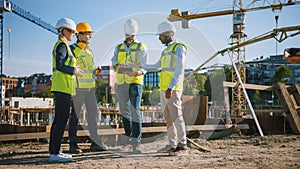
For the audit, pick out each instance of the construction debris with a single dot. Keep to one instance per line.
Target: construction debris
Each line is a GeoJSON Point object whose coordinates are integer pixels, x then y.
{"type": "Point", "coordinates": [213, 135]}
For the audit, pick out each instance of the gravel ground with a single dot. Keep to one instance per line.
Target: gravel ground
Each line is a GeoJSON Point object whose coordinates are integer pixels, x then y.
{"type": "Point", "coordinates": [277, 151]}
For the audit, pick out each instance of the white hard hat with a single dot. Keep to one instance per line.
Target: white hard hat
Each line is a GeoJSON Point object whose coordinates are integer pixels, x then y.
{"type": "Point", "coordinates": [65, 23]}
{"type": "Point", "coordinates": [166, 26]}
{"type": "Point", "coordinates": [131, 27]}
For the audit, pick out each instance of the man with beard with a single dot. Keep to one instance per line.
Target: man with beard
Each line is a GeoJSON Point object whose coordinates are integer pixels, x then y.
{"type": "Point", "coordinates": [127, 62]}
{"type": "Point", "coordinates": [171, 66]}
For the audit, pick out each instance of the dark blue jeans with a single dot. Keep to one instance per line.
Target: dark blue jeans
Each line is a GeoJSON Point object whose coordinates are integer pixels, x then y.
{"type": "Point", "coordinates": [130, 96]}
{"type": "Point", "coordinates": [62, 111]}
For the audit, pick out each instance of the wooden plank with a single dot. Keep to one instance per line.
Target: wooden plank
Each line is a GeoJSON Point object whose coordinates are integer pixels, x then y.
{"type": "Point", "coordinates": [289, 107]}
{"type": "Point", "coordinates": [197, 145]}
{"type": "Point", "coordinates": [190, 106]}
{"type": "Point", "coordinates": [249, 86]}
{"type": "Point", "coordinates": [215, 127]}
{"type": "Point", "coordinates": [24, 136]}
{"type": "Point", "coordinates": [112, 131]}
{"type": "Point", "coordinates": [296, 93]}
{"type": "Point", "coordinates": [203, 110]}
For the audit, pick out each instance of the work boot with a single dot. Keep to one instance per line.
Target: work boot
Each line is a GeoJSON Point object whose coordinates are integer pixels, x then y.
{"type": "Point", "coordinates": [127, 147]}
{"type": "Point", "coordinates": [166, 149]}
{"type": "Point", "coordinates": [74, 149]}
{"type": "Point", "coordinates": [136, 149]}
{"type": "Point", "coordinates": [97, 147]}
{"type": "Point", "coordinates": [179, 151]}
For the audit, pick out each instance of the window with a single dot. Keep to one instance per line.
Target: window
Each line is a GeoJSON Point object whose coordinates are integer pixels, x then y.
{"type": "Point", "coordinates": [16, 104]}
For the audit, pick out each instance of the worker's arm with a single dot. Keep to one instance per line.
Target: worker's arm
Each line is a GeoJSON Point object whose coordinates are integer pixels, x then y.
{"type": "Point", "coordinates": [151, 67]}
{"type": "Point", "coordinates": [61, 57]}
{"type": "Point", "coordinates": [143, 60]}
{"type": "Point", "coordinates": [179, 71]}
{"type": "Point", "coordinates": [114, 59]}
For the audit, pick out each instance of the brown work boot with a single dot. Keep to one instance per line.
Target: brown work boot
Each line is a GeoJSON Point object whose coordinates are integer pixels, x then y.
{"type": "Point", "coordinates": [97, 147]}
{"type": "Point", "coordinates": [179, 151]}
{"type": "Point", "coordinates": [128, 147]}
{"type": "Point", "coordinates": [166, 149]}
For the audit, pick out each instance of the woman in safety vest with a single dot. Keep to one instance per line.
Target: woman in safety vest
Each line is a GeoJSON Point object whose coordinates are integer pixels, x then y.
{"type": "Point", "coordinates": [63, 86]}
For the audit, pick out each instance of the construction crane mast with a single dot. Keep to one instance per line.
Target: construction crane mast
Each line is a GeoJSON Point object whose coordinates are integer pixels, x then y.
{"type": "Point", "coordinates": [238, 104]}
{"type": "Point", "coordinates": [7, 6]}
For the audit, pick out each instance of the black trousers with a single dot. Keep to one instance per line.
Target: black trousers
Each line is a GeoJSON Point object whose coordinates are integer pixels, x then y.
{"type": "Point", "coordinates": [62, 112]}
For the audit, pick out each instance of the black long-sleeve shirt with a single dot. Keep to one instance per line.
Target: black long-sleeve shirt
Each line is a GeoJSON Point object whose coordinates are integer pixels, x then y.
{"type": "Point", "coordinates": [61, 57]}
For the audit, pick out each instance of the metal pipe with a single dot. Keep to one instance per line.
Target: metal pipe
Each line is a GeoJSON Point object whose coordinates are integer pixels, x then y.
{"type": "Point", "coordinates": [246, 95]}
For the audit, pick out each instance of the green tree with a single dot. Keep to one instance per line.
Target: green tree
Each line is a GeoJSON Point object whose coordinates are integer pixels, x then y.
{"type": "Point", "coordinates": [146, 95]}
{"type": "Point", "coordinates": [200, 79]}
{"type": "Point", "coordinates": [155, 96]}
{"type": "Point", "coordinates": [47, 93]}
{"type": "Point", "coordinates": [103, 91]}
{"type": "Point", "coordinates": [282, 74]}
{"type": "Point", "coordinates": [194, 85]}
{"type": "Point", "coordinates": [256, 96]}
{"type": "Point", "coordinates": [228, 74]}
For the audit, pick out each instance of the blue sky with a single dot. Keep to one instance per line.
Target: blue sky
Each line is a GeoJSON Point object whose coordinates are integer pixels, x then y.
{"type": "Point", "coordinates": [28, 47]}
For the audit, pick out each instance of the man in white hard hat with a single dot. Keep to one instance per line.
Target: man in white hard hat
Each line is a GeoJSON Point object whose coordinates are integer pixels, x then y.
{"type": "Point", "coordinates": [171, 84]}
{"type": "Point", "coordinates": [128, 60]}
{"type": "Point", "coordinates": [63, 86]}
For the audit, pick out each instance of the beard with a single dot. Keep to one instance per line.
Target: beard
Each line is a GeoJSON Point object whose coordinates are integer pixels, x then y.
{"type": "Point", "coordinates": [129, 41]}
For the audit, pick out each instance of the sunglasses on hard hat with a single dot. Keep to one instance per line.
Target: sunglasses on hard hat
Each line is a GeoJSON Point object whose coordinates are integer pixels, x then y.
{"type": "Point", "coordinates": [71, 31]}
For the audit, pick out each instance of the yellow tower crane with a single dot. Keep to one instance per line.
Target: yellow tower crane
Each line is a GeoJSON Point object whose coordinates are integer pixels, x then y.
{"type": "Point", "coordinates": [238, 104]}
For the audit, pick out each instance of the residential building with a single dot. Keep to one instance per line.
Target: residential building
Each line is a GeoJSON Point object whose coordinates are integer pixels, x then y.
{"type": "Point", "coordinates": [261, 71]}
{"type": "Point", "coordinates": [109, 75]}
{"type": "Point", "coordinates": [37, 83]}
{"type": "Point", "coordinates": [151, 80]}
{"type": "Point", "coordinates": [10, 85]}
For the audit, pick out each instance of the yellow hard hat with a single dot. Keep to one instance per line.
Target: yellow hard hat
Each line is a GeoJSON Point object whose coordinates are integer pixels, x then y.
{"type": "Point", "coordinates": [84, 27]}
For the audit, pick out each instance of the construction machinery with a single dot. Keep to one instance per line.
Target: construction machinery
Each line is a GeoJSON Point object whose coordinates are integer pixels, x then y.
{"type": "Point", "coordinates": [279, 34]}
{"type": "Point", "coordinates": [238, 104]}
{"type": "Point", "coordinates": [7, 6]}
{"type": "Point", "coordinates": [292, 55]}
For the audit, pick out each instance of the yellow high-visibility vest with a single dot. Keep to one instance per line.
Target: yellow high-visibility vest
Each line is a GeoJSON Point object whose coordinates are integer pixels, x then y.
{"type": "Point", "coordinates": [168, 66]}
{"type": "Point", "coordinates": [132, 60]}
{"type": "Point", "coordinates": [62, 82]}
{"type": "Point", "coordinates": [85, 61]}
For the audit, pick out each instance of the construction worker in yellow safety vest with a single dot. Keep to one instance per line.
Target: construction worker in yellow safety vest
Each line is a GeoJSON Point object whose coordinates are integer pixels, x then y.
{"type": "Point", "coordinates": [63, 86]}
{"type": "Point", "coordinates": [85, 91]}
{"type": "Point", "coordinates": [128, 59]}
{"type": "Point", "coordinates": [171, 74]}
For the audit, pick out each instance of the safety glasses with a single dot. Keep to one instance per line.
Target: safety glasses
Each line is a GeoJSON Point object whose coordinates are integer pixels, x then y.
{"type": "Point", "coordinates": [71, 31]}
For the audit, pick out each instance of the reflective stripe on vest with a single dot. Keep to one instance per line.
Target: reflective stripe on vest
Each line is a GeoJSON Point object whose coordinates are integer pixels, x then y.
{"type": "Point", "coordinates": [84, 58]}
{"type": "Point", "coordinates": [168, 66]}
{"type": "Point", "coordinates": [62, 82]}
{"type": "Point", "coordinates": [131, 59]}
